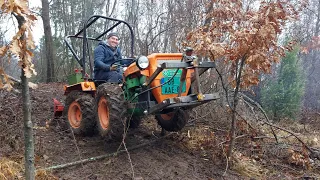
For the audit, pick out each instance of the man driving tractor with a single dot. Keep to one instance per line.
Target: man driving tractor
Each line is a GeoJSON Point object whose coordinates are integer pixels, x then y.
{"type": "Point", "coordinates": [158, 84]}
{"type": "Point", "coordinates": [105, 54]}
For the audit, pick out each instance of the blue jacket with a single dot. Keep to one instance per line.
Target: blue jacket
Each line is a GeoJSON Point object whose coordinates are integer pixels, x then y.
{"type": "Point", "coordinates": [104, 55]}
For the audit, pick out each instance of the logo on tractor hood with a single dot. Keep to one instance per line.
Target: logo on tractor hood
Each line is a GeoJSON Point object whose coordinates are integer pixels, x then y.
{"type": "Point", "coordinates": [171, 72]}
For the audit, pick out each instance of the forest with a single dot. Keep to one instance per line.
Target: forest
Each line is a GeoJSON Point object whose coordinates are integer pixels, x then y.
{"type": "Point", "coordinates": [244, 105]}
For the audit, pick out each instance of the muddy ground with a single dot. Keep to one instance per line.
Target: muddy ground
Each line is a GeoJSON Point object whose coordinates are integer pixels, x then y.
{"type": "Point", "coordinates": [197, 152]}
{"type": "Point", "coordinates": [161, 158]}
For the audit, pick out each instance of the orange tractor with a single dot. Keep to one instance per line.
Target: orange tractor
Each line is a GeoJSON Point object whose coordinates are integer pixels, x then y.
{"type": "Point", "coordinates": [159, 85]}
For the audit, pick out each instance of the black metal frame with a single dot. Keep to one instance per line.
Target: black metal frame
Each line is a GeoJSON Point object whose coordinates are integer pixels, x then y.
{"type": "Point", "coordinates": [189, 101]}
{"type": "Point", "coordinates": [150, 107]}
{"type": "Point", "coordinates": [83, 31]}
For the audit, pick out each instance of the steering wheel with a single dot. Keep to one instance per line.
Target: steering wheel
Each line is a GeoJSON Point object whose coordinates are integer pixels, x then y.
{"type": "Point", "coordinates": [125, 62]}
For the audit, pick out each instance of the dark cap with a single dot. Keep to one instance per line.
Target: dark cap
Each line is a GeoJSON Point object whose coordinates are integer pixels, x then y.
{"type": "Point", "coordinates": [112, 34]}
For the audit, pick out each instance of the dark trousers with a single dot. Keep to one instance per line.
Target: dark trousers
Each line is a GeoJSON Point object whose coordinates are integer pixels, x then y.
{"type": "Point", "coordinates": [114, 76]}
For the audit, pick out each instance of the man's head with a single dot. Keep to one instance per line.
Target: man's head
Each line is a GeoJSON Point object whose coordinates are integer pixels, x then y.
{"type": "Point", "coordinates": [113, 39]}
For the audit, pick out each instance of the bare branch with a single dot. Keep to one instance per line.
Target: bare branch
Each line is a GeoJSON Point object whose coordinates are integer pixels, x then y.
{"type": "Point", "coordinates": [83, 161]}
{"type": "Point", "coordinates": [246, 98]}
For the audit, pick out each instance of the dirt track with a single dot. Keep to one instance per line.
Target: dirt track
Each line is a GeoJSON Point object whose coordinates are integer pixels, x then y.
{"type": "Point", "coordinates": [165, 159]}
{"type": "Point", "coordinates": [161, 160]}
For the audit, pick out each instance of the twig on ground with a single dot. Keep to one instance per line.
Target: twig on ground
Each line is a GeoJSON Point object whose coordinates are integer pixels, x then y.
{"type": "Point", "coordinates": [223, 130]}
{"type": "Point", "coordinates": [270, 137]}
{"type": "Point", "coordinates": [131, 165]}
{"type": "Point", "coordinates": [246, 98]}
{"type": "Point", "coordinates": [284, 166]}
{"type": "Point", "coordinates": [75, 142]}
{"type": "Point", "coordinates": [313, 153]}
{"type": "Point", "coordinates": [83, 161]}
{"type": "Point", "coordinates": [124, 135]}
{"type": "Point", "coordinates": [244, 135]}
{"type": "Point", "coordinates": [227, 161]}
{"type": "Point", "coordinates": [192, 120]}
{"type": "Point", "coordinates": [154, 134]}
{"type": "Point", "coordinates": [313, 148]}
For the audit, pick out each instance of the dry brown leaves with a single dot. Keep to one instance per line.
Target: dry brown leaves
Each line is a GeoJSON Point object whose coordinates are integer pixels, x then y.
{"type": "Point", "coordinates": [313, 44]}
{"type": "Point", "coordinates": [299, 158]}
{"type": "Point", "coordinates": [10, 169]}
{"type": "Point", "coordinates": [22, 42]}
{"type": "Point", "coordinates": [248, 167]}
{"type": "Point", "coordinates": [242, 33]}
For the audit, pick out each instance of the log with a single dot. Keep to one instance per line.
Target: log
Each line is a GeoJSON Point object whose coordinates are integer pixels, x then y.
{"type": "Point", "coordinates": [30, 84]}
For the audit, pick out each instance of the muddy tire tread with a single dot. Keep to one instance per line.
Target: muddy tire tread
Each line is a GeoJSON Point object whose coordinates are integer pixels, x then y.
{"type": "Point", "coordinates": [114, 95]}
{"type": "Point", "coordinates": [86, 102]}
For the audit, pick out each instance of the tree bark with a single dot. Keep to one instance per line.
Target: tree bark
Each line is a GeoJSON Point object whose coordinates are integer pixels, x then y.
{"type": "Point", "coordinates": [234, 109]}
{"type": "Point", "coordinates": [48, 41]}
{"type": "Point", "coordinates": [28, 128]}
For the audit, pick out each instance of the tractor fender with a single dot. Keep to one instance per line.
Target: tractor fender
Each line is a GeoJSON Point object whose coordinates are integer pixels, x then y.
{"type": "Point", "coordinates": [88, 87]}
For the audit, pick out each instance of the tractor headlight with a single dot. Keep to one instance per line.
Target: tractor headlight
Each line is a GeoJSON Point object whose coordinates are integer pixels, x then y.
{"type": "Point", "coordinates": [142, 62]}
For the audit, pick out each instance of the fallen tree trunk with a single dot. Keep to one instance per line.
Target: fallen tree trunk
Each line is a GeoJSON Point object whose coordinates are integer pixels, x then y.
{"type": "Point", "coordinates": [30, 84]}
{"type": "Point", "coordinates": [14, 79]}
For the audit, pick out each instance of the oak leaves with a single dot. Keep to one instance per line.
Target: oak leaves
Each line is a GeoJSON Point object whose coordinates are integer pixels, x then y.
{"type": "Point", "coordinates": [22, 42]}
{"type": "Point", "coordinates": [238, 32]}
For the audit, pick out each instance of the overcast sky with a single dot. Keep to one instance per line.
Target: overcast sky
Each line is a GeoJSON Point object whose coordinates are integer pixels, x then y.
{"type": "Point", "coordinates": [11, 25]}
{"type": "Point", "coordinates": [38, 28]}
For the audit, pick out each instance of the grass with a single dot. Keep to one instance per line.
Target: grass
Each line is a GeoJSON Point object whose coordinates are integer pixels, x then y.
{"type": "Point", "coordinates": [10, 169]}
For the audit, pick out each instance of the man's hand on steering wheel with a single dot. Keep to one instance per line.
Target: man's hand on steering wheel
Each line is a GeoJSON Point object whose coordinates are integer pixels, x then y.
{"type": "Point", "coordinates": [114, 67]}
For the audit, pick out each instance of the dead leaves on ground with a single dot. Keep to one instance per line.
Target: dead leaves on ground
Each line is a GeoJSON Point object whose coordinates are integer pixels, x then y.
{"type": "Point", "coordinates": [10, 169]}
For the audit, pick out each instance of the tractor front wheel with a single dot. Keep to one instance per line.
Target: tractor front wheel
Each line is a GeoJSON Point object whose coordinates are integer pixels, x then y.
{"type": "Point", "coordinates": [79, 112]}
{"type": "Point", "coordinates": [109, 108]}
{"type": "Point", "coordinates": [173, 121]}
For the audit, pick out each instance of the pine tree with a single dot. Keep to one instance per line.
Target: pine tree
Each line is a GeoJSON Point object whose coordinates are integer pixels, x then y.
{"type": "Point", "coordinates": [282, 97]}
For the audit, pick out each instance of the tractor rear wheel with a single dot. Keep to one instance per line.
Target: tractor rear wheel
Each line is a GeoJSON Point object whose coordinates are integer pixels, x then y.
{"type": "Point", "coordinates": [110, 110]}
{"type": "Point", "coordinates": [173, 121]}
{"type": "Point", "coordinates": [79, 111]}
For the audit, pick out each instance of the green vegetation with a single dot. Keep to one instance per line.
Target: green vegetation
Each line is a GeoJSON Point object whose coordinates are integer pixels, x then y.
{"type": "Point", "coordinates": [282, 97]}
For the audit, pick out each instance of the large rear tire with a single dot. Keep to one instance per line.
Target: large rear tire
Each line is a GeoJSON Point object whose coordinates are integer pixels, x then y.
{"type": "Point", "coordinates": [173, 121]}
{"type": "Point", "coordinates": [110, 110]}
{"type": "Point", "coordinates": [79, 111]}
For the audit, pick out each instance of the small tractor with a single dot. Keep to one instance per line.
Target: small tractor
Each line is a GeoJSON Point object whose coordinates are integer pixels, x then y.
{"type": "Point", "coordinates": [159, 85]}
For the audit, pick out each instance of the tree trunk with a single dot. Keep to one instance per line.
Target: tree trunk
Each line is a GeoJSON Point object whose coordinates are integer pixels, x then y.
{"type": "Point", "coordinates": [28, 128]}
{"type": "Point", "coordinates": [48, 41]}
{"type": "Point", "coordinates": [234, 109]}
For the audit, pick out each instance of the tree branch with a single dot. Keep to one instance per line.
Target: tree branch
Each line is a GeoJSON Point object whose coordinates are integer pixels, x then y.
{"type": "Point", "coordinates": [246, 98]}
{"type": "Point", "coordinates": [313, 153]}
{"type": "Point", "coordinates": [61, 166]}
